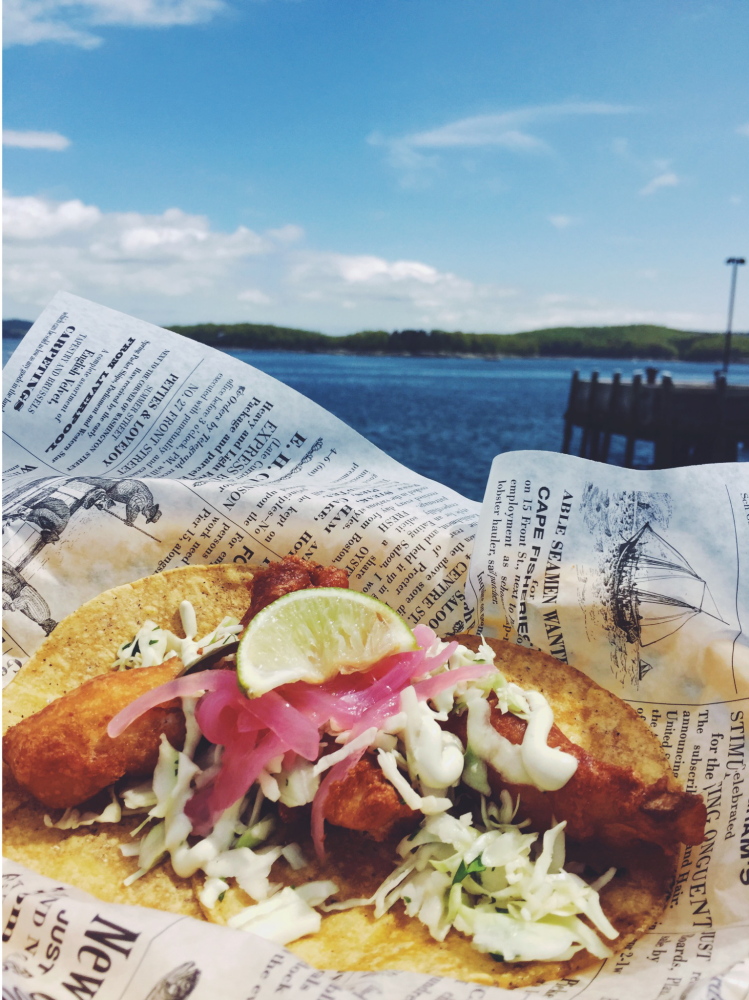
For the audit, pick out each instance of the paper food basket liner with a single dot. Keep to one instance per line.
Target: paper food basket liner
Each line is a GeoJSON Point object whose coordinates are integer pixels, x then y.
{"type": "Point", "coordinates": [129, 450]}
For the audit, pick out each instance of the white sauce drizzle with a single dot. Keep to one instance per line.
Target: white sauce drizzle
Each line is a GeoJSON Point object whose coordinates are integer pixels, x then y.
{"type": "Point", "coordinates": [531, 762]}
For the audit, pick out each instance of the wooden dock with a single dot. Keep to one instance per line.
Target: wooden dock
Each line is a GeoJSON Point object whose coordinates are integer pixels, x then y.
{"type": "Point", "coordinates": [687, 423]}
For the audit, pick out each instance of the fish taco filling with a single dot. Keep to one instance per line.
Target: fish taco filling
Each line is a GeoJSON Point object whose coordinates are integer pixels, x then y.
{"type": "Point", "coordinates": [472, 809]}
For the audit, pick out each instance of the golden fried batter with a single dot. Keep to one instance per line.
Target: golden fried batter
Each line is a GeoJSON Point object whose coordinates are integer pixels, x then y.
{"type": "Point", "coordinates": [603, 801]}
{"type": "Point", "coordinates": [365, 800]}
{"type": "Point", "coordinates": [63, 756]}
{"type": "Point", "coordinates": [623, 792]}
{"type": "Point", "coordinates": [289, 574]}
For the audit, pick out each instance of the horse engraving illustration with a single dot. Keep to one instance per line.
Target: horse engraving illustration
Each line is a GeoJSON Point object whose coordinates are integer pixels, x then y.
{"type": "Point", "coordinates": [105, 493]}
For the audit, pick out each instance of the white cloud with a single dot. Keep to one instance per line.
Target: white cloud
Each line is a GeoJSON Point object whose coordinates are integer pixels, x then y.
{"type": "Point", "coordinates": [121, 256]}
{"type": "Point", "coordinates": [399, 292]}
{"type": "Point", "coordinates": [177, 268]}
{"type": "Point", "coordinates": [743, 129]}
{"type": "Point", "coordinates": [558, 311]}
{"type": "Point", "coordinates": [487, 130]}
{"type": "Point", "coordinates": [664, 180]}
{"type": "Point", "coordinates": [503, 129]}
{"type": "Point", "coordinates": [35, 140]}
{"type": "Point", "coordinates": [366, 270]}
{"type": "Point", "coordinates": [664, 177]}
{"type": "Point", "coordinates": [562, 221]}
{"type": "Point", "coordinates": [27, 22]}
{"type": "Point", "coordinates": [286, 234]}
{"type": "Point", "coordinates": [36, 219]}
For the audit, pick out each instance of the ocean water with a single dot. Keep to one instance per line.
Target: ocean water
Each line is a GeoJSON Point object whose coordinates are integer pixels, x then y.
{"type": "Point", "coordinates": [446, 418]}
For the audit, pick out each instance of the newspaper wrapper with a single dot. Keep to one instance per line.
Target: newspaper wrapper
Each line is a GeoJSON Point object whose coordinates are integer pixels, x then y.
{"type": "Point", "coordinates": [170, 453]}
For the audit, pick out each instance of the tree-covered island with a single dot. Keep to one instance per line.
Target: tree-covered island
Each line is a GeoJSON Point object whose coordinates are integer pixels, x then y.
{"type": "Point", "coordinates": [657, 342]}
{"type": "Point", "coordinates": [639, 341]}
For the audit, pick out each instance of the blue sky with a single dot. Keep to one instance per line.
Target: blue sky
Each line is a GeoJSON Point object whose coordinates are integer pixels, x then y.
{"type": "Point", "coordinates": [362, 164]}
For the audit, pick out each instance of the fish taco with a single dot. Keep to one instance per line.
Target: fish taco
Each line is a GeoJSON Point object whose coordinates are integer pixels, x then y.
{"type": "Point", "coordinates": [372, 796]}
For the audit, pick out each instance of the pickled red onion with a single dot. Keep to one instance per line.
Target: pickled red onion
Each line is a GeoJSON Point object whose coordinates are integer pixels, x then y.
{"type": "Point", "coordinates": [187, 686]}
{"type": "Point", "coordinates": [240, 767]}
{"type": "Point", "coordinates": [431, 686]}
{"type": "Point", "coordinates": [224, 715]}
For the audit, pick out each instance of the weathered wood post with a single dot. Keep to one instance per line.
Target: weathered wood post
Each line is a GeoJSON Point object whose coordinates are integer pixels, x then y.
{"type": "Point", "coordinates": [589, 446]}
{"type": "Point", "coordinates": [633, 420]}
{"type": "Point", "coordinates": [664, 436]}
{"type": "Point", "coordinates": [610, 419]}
{"type": "Point", "coordinates": [570, 414]}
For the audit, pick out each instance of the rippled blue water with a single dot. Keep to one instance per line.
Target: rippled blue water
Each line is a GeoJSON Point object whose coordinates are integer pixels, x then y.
{"type": "Point", "coordinates": [447, 418]}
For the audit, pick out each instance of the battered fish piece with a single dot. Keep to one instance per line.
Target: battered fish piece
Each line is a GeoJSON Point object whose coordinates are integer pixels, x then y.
{"type": "Point", "coordinates": [62, 754]}
{"type": "Point", "coordinates": [602, 801]}
{"type": "Point", "coordinates": [365, 800]}
{"type": "Point", "coordinates": [287, 575]}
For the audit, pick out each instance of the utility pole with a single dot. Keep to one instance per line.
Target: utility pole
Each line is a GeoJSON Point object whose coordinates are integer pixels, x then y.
{"type": "Point", "coordinates": [734, 262]}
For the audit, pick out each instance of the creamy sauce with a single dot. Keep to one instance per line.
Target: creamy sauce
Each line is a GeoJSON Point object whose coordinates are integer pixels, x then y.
{"type": "Point", "coordinates": [532, 762]}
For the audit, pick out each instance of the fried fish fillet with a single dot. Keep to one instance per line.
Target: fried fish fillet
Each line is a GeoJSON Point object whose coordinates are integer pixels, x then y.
{"type": "Point", "coordinates": [602, 801]}
{"type": "Point", "coordinates": [63, 756]}
{"type": "Point", "coordinates": [365, 800]}
{"type": "Point", "coordinates": [287, 575]}
{"type": "Point", "coordinates": [623, 789]}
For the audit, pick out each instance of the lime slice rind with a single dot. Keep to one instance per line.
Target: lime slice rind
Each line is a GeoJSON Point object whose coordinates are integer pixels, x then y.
{"type": "Point", "coordinates": [313, 635]}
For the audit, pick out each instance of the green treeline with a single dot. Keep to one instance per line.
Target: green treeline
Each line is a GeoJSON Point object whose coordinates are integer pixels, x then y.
{"type": "Point", "coordinates": [641, 341]}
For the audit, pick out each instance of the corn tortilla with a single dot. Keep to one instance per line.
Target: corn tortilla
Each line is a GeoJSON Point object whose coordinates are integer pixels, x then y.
{"type": "Point", "coordinates": [84, 645]}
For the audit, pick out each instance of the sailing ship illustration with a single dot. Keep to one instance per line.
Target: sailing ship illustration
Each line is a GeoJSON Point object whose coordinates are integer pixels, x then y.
{"type": "Point", "coordinates": [655, 591]}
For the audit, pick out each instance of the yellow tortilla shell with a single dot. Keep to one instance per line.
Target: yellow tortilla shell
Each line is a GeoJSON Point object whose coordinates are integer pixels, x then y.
{"type": "Point", "coordinates": [84, 645]}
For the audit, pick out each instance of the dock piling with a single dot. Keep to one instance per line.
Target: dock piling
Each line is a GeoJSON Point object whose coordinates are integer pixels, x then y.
{"type": "Point", "coordinates": [686, 423]}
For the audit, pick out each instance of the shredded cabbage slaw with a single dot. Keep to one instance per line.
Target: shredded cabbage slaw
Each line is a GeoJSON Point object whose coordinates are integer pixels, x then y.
{"type": "Point", "coordinates": [490, 879]}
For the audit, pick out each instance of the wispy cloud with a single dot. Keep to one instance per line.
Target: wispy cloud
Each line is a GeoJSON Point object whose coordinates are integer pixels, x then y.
{"type": "Point", "coordinates": [504, 130]}
{"type": "Point", "coordinates": [743, 129]}
{"type": "Point", "coordinates": [35, 140]}
{"type": "Point", "coordinates": [664, 180]}
{"type": "Point", "coordinates": [664, 176]}
{"type": "Point", "coordinates": [28, 22]}
{"type": "Point", "coordinates": [562, 221]}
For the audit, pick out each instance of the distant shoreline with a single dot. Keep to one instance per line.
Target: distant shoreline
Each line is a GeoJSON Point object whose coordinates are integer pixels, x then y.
{"type": "Point", "coordinates": [489, 358]}
{"type": "Point", "coordinates": [646, 343]}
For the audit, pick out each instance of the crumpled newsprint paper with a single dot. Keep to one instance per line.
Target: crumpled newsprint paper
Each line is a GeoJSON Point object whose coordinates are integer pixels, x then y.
{"type": "Point", "coordinates": [175, 454]}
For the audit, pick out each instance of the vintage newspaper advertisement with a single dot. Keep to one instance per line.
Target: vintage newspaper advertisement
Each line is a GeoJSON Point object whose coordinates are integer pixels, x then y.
{"type": "Point", "coordinates": [175, 454]}
{"type": "Point", "coordinates": [178, 454]}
